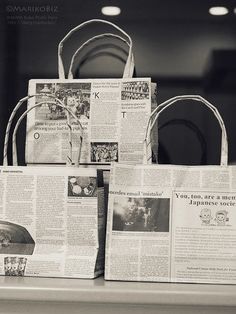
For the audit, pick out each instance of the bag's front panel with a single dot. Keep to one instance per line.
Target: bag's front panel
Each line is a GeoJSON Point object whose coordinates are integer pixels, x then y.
{"type": "Point", "coordinates": [49, 221]}
{"type": "Point", "coordinates": [113, 113]}
{"type": "Point", "coordinates": [172, 223]}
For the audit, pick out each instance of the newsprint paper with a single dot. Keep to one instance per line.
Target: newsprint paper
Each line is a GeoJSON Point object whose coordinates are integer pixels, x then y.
{"type": "Point", "coordinates": [52, 222]}
{"type": "Point", "coordinates": [113, 113]}
{"type": "Point", "coordinates": [172, 224]}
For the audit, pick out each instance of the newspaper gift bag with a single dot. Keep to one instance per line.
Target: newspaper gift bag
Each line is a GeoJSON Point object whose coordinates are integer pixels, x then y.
{"type": "Point", "coordinates": [110, 111]}
{"type": "Point", "coordinates": [170, 223]}
{"type": "Point", "coordinates": [52, 219]}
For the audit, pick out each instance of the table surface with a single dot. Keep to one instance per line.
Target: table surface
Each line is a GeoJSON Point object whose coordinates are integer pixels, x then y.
{"type": "Point", "coordinates": [100, 291]}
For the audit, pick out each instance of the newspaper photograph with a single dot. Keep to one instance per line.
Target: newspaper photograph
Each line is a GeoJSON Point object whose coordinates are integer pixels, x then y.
{"type": "Point", "coordinates": [113, 114]}
{"type": "Point", "coordinates": [180, 227]}
{"type": "Point", "coordinates": [141, 214]}
{"type": "Point", "coordinates": [52, 222]}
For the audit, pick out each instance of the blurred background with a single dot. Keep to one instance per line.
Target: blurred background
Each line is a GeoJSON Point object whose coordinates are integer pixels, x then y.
{"type": "Point", "coordinates": [183, 47]}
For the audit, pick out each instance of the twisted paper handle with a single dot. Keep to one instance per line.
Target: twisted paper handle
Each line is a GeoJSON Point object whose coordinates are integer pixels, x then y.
{"type": "Point", "coordinates": [130, 66]}
{"type": "Point", "coordinates": [56, 102]}
{"type": "Point", "coordinates": [61, 68]}
{"type": "Point", "coordinates": [147, 159]}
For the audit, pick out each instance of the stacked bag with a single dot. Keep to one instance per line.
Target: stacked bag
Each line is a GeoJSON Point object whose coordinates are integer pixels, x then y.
{"type": "Point", "coordinates": [109, 110]}
{"type": "Point", "coordinates": [170, 223]}
{"type": "Point", "coordinates": [41, 210]}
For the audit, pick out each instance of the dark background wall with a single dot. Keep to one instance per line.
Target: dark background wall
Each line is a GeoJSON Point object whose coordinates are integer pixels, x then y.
{"type": "Point", "coordinates": [177, 43]}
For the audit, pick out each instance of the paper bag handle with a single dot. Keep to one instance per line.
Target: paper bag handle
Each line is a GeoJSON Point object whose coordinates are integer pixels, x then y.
{"type": "Point", "coordinates": [58, 103]}
{"type": "Point", "coordinates": [93, 39]}
{"type": "Point", "coordinates": [61, 69]}
{"type": "Point", "coordinates": [155, 115]}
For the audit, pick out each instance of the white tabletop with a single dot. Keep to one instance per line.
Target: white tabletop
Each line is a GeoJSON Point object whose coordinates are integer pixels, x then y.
{"type": "Point", "coordinates": [100, 291]}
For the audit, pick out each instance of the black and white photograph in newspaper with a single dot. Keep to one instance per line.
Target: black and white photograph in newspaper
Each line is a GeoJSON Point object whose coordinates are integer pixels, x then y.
{"type": "Point", "coordinates": [82, 186]}
{"type": "Point", "coordinates": [74, 95]}
{"type": "Point", "coordinates": [134, 90]}
{"type": "Point", "coordinates": [15, 239]}
{"type": "Point", "coordinates": [141, 214]}
{"type": "Point", "coordinates": [14, 266]}
{"type": "Point", "coordinates": [104, 151]}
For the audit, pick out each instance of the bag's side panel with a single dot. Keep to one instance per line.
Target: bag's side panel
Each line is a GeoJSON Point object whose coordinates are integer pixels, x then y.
{"type": "Point", "coordinates": [99, 267]}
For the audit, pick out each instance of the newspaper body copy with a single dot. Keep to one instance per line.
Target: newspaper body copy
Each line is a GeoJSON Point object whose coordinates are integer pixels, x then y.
{"type": "Point", "coordinates": [113, 113]}
{"type": "Point", "coordinates": [172, 223]}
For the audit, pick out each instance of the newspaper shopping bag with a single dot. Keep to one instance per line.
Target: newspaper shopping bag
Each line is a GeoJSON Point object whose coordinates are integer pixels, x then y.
{"type": "Point", "coordinates": [170, 223]}
{"type": "Point", "coordinates": [108, 109]}
{"type": "Point", "coordinates": [52, 218]}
